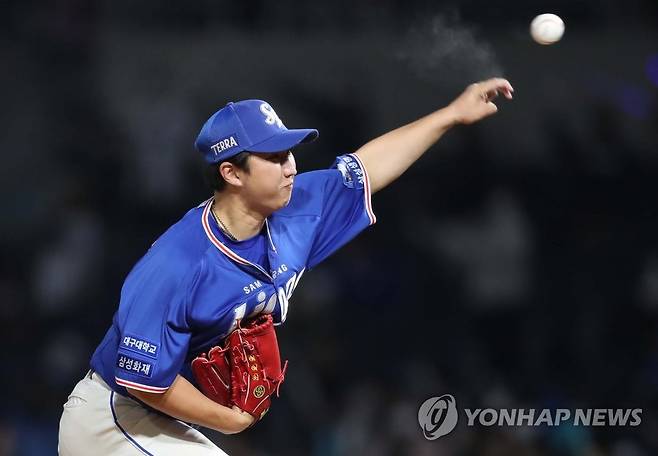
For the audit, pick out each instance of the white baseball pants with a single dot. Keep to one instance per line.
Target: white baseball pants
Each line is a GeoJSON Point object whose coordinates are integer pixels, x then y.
{"type": "Point", "coordinates": [96, 420]}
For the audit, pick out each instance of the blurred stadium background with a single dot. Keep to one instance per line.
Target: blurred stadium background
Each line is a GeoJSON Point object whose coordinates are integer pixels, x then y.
{"type": "Point", "coordinates": [515, 266]}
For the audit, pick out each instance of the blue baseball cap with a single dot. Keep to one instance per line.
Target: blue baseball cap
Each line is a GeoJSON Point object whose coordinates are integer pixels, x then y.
{"type": "Point", "coordinates": [248, 125]}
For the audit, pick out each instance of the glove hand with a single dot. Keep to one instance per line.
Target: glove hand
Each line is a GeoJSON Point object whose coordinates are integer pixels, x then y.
{"type": "Point", "coordinates": [256, 371]}
{"type": "Point", "coordinates": [246, 371]}
{"type": "Point", "coordinates": [213, 375]}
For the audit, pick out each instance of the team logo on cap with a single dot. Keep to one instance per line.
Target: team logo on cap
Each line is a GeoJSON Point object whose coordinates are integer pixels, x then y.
{"type": "Point", "coordinates": [271, 117]}
{"type": "Point", "coordinates": [223, 144]}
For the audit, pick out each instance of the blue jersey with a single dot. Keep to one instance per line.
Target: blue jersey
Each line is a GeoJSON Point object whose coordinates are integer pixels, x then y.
{"type": "Point", "coordinates": [187, 293]}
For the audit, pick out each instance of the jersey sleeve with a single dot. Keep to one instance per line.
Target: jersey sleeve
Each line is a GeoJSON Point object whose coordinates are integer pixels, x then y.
{"type": "Point", "coordinates": [154, 334]}
{"type": "Point", "coordinates": [346, 207]}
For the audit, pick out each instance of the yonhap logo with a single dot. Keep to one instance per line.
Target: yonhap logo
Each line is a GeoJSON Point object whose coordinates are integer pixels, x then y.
{"type": "Point", "coordinates": [438, 416]}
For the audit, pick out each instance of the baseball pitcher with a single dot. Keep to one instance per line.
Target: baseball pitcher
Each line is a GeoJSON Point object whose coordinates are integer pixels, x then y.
{"type": "Point", "coordinates": [193, 341]}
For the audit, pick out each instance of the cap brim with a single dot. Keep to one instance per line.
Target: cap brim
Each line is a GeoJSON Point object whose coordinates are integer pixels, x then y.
{"type": "Point", "coordinates": [284, 140]}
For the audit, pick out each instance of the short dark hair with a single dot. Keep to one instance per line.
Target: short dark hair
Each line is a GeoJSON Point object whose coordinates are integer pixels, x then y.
{"type": "Point", "coordinates": [214, 179]}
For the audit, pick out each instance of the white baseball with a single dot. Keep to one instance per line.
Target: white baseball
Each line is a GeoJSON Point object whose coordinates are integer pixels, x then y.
{"type": "Point", "coordinates": [547, 28]}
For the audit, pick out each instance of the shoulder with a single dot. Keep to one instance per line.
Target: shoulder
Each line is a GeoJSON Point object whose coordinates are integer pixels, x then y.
{"type": "Point", "coordinates": [177, 250]}
{"type": "Point", "coordinates": [185, 239]}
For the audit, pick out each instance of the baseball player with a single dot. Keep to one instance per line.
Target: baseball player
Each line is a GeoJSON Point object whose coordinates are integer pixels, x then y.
{"type": "Point", "coordinates": [234, 259]}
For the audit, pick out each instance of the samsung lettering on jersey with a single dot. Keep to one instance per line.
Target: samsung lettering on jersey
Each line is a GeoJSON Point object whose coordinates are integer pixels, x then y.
{"type": "Point", "coordinates": [253, 286]}
{"type": "Point", "coordinates": [223, 144]}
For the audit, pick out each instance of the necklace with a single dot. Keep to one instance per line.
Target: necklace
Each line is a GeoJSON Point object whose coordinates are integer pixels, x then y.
{"type": "Point", "coordinates": [222, 226]}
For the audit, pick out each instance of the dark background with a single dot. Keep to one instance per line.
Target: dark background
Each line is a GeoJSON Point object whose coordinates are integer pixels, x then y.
{"type": "Point", "coordinates": [516, 265]}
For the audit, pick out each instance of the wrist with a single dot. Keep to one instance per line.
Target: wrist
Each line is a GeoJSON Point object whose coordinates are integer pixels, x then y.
{"type": "Point", "coordinates": [451, 115]}
{"type": "Point", "coordinates": [227, 421]}
{"type": "Point", "coordinates": [238, 421]}
{"type": "Point", "coordinates": [245, 419]}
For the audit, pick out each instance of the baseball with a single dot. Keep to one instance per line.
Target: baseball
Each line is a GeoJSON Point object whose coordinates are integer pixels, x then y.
{"type": "Point", "coordinates": [547, 28]}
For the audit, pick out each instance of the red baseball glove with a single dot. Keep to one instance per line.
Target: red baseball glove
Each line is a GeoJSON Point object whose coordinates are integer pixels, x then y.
{"type": "Point", "coordinates": [246, 371]}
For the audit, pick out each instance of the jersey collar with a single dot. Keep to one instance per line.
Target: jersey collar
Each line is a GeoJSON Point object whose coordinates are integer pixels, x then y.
{"type": "Point", "coordinates": [205, 221]}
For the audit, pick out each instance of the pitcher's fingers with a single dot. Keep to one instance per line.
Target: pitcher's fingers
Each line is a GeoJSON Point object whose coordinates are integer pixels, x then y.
{"type": "Point", "coordinates": [496, 84]}
{"type": "Point", "coordinates": [491, 95]}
